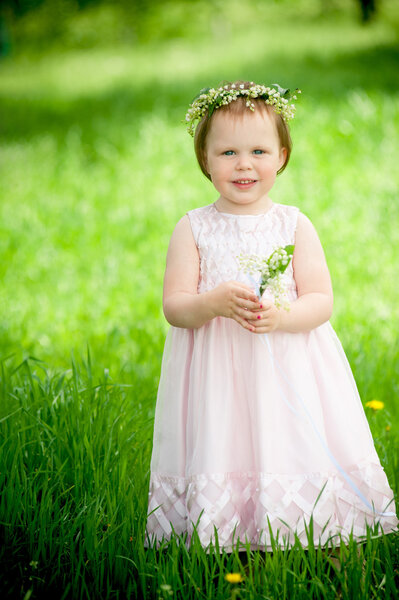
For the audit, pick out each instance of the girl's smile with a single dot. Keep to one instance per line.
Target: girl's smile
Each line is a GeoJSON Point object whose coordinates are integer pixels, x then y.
{"type": "Point", "coordinates": [244, 184]}
{"type": "Point", "coordinates": [243, 156]}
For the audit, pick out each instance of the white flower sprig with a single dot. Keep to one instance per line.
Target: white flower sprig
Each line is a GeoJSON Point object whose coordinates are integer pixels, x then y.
{"type": "Point", "coordinates": [269, 271]}
{"type": "Point", "coordinates": [210, 99]}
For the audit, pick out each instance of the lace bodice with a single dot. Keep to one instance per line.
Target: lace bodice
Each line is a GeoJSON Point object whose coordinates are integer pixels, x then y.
{"type": "Point", "coordinates": [221, 237]}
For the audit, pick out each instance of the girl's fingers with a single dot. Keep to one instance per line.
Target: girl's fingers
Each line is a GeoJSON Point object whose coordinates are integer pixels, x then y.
{"type": "Point", "coordinates": [257, 315]}
{"type": "Point", "coordinates": [250, 301]}
{"type": "Point", "coordinates": [265, 322]}
{"type": "Point", "coordinates": [246, 288]}
{"type": "Point", "coordinates": [243, 321]}
{"type": "Point", "coordinates": [252, 315]}
{"type": "Point", "coordinates": [247, 309]}
{"type": "Point", "coordinates": [247, 293]}
{"type": "Point", "coordinates": [246, 315]}
{"type": "Point", "coordinates": [262, 328]}
{"type": "Point", "coordinates": [246, 325]}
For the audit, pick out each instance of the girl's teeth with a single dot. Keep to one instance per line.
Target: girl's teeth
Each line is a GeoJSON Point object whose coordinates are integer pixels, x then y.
{"type": "Point", "coordinates": [245, 181]}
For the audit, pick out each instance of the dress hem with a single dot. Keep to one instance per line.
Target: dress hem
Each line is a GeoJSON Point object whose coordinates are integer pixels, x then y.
{"type": "Point", "coordinates": [268, 509]}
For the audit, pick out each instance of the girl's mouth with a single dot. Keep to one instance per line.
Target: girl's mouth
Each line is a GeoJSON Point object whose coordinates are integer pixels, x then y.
{"type": "Point", "coordinates": [244, 183]}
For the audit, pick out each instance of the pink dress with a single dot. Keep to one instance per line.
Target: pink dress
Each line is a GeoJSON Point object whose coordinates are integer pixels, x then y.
{"type": "Point", "coordinates": [249, 432]}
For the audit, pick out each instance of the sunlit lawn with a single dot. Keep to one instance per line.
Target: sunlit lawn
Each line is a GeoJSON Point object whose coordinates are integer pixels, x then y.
{"type": "Point", "coordinates": [96, 168]}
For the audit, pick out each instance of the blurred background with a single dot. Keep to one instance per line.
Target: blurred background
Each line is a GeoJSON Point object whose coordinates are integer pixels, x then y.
{"type": "Point", "coordinates": [97, 167]}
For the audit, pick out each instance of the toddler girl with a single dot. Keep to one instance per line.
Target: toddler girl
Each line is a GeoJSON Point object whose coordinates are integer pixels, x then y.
{"type": "Point", "coordinates": [258, 422]}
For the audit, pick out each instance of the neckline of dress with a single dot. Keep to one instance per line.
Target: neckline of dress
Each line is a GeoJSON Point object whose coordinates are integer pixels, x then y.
{"type": "Point", "coordinates": [239, 215]}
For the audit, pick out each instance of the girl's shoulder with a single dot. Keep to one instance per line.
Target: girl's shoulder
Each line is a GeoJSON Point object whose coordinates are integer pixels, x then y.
{"type": "Point", "coordinates": [202, 211]}
{"type": "Point", "coordinates": [199, 218]}
{"type": "Point", "coordinates": [286, 216]}
{"type": "Point", "coordinates": [286, 209]}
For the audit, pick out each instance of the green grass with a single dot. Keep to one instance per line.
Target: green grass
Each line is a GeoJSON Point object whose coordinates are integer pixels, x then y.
{"type": "Point", "coordinates": [74, 497]}
{"type": "Point", "coordinates": [96, 168]}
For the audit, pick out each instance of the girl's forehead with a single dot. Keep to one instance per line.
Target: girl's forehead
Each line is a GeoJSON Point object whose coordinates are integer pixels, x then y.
{"type": "Point", "coordinates": [248, 123]}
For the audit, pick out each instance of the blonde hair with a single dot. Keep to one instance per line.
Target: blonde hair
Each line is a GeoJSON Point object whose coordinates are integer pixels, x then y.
{"type": "Point", "coordinates": [236, 109]}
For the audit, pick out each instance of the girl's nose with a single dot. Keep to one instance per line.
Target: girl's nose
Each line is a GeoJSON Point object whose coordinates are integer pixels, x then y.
{"type": "Point", "coordinates": [243, 163]}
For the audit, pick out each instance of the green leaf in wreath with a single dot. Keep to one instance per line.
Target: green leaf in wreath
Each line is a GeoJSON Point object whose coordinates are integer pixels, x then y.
{"type": "Point", "coordinates": [203, 91]}
{"type": "Point", "coordinates": [282, 91]}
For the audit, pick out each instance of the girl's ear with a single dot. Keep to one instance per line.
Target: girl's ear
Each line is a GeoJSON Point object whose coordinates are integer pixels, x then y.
{"type": "Point", "coordinates": [205, 162]}
{"type": "Point", "coordinates": [283, 156]}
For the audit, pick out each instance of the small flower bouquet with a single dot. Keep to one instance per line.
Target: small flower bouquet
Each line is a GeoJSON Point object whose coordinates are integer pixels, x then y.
{"type": "Point", "coordinates": [268, 272]}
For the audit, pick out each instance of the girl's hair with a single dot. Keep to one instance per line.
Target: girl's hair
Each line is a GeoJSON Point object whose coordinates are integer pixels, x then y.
{"type": "Point", "coordinates": [237, 108]}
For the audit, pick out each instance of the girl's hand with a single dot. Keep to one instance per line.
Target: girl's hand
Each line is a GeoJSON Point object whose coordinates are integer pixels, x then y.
{"type": "Point", "coordinates": [267, 318]}
{"type": "Point", "coordinates": [236, 301]}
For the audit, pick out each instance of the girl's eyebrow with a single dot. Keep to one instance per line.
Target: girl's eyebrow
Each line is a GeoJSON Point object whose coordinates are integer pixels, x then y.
{"type": "Point", "coordinates": [221, 147]}
{"type": "Point", "coordinates": [224, 147]}
{"type": "Point", "coordinates": [256, 144]}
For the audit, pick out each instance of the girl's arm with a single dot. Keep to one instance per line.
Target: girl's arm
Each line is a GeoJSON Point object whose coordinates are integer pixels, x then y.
{"type": "Point", "coordinates": [182, 305]}
{"type": "Point", "coordinates": [315, 296]}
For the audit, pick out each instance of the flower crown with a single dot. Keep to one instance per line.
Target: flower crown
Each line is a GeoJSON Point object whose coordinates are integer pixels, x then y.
{"type": "Point", "coordinates": [210, 99]}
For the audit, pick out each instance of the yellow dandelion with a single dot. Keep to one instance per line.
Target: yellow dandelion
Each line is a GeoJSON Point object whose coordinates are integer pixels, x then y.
{"type": "Point", "coordinates": [375, 404]}
{"type": "Point", "coordinates": [234, 577]}
{"type": "Point", "coordinates": [388, 428]}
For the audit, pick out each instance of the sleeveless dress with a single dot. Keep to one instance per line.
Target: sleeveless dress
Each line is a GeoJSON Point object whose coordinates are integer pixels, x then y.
{"type": "Point", "coordinates": [254, 435]}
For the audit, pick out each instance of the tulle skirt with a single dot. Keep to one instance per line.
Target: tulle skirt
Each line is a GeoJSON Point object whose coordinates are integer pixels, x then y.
{"type": "Point", "coordinates": [255, 435]}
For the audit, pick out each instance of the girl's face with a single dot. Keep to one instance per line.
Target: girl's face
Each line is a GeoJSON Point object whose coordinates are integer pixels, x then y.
{"type": "Point", "coordinates": [243, 156]}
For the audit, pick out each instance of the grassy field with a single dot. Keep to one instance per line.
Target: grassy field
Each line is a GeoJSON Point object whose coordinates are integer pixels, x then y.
{"type": "Point", "coordinates": [96, 168]}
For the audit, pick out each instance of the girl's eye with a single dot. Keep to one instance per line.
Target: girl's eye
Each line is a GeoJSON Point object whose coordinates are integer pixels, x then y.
{"type": "Point", "coordinates": [259, 151]}
{"type": "Point", "coordinates": [229, 153]}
